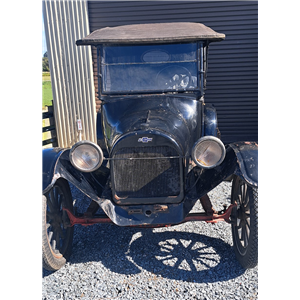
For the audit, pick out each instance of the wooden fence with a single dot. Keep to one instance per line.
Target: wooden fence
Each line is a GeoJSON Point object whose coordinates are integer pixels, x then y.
{"type": "Point", "coordinates": [48, 128]}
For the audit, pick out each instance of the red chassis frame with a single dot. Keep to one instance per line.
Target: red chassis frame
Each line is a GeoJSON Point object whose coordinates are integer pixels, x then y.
{"type": "Point", "coordinates": [87, 219]}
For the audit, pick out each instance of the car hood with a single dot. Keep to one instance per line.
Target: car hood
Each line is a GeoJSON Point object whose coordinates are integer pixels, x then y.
{"type": "Point", "coordinates": [178, 117]}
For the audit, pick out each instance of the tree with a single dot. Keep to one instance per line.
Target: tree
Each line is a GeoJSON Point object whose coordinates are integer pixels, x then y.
{"type": "Point", "coordinates": [45, 62]}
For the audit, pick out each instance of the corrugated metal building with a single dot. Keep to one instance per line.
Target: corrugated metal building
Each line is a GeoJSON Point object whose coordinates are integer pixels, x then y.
{"type": "Point", "coordinates": [71, 70]}
{"type": "Point", "coordinates": [232, 70]}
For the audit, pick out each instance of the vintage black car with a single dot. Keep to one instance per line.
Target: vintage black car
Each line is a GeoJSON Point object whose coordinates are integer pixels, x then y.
{"type": "Point", "coordinates": [158, 147]}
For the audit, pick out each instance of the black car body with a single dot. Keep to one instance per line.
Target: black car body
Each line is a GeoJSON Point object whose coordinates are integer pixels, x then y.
{"type": "Point", "coordinates": [158, 145]}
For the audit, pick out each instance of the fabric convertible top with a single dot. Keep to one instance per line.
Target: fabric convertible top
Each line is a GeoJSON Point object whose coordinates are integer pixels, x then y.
{"type": "Point", "coordinates": [152, 33]}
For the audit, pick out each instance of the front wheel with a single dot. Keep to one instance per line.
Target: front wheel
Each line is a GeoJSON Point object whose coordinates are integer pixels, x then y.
{"type": "Point", "coordinates": [245, 222]}
{"type": "Point", "coordinates": [57, 236]}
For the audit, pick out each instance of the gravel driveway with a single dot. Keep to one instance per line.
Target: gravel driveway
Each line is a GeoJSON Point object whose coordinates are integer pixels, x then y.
{"type": "Point", "coordinates": [194, 260]}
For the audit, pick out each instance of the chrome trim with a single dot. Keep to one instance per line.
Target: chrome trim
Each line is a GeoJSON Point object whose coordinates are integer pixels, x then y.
{"type": "Point", "coordinates": [212, 138]}
{"type": "Point", "coordinates": [92, 145]}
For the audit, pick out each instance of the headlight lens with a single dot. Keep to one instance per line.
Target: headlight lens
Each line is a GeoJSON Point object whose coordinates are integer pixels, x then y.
{"type": "Point", "coordinates": [86, 156]}
{"type": "Point", "coordinates": [208, 152]}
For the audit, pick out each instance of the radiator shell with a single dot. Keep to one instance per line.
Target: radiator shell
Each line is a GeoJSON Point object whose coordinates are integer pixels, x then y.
{"type": "Point", "coordinates": [147, 174]}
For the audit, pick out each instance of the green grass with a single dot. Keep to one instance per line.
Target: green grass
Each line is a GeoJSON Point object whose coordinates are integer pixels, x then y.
{"type": "Point", "coordinates": [47, 90]}
{"type": "Point", "coordinates": [47, 93]}
{"type": "Point", "coordinates": [47, 100]}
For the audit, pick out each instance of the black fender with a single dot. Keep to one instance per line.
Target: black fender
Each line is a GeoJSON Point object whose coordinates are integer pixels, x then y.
{"type": "Point", "coordinates": [247, 160]}
{"type": "Point", "coordinates": [241, 159]}
{"type": "Point", "coordinates": [56, 164]}
{"type": "Point", "coordinates": [50, 159]}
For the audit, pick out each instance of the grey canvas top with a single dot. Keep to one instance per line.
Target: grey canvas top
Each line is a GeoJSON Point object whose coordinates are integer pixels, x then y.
{"type": "Point", "coordinates": [152, 33]}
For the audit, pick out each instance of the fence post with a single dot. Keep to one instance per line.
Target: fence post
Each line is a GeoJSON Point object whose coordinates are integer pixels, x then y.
{"type": "Point", "coordinates": [51, 128]}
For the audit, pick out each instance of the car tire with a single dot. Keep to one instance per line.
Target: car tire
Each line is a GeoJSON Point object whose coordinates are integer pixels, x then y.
{"type": "Point", "coordinates": [245, 223]}
{"type": "Point", "coordinates": [57, 235]}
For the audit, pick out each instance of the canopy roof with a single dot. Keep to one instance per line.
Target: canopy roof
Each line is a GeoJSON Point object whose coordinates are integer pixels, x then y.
{"type": "Point", "coordinates": [152, 33]}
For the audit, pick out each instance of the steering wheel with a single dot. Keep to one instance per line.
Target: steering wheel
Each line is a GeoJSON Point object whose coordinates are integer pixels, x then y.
{"type": "Point", "coordinates": [173, 78]}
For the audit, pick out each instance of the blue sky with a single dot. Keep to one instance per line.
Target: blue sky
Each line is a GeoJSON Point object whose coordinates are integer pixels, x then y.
{"type": "Point", "coordinates": [44, 46]}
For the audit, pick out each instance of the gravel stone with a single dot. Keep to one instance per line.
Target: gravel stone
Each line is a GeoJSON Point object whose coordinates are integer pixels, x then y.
{"type": "Point", "coordinates": [194, 260]}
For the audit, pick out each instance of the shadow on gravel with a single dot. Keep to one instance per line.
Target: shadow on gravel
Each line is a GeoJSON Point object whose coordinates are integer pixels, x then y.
{"type": "Point", "coordinates": [185, 256]}
{"type": "Point", "coordinates": [172, 254]}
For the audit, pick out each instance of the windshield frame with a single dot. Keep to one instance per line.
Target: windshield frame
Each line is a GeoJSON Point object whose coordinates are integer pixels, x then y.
{"type": "Point", "coordinates": [200, 73]}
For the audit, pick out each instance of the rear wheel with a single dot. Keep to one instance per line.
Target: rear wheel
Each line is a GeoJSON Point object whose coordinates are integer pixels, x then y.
{"type": "Point", "coordinates": [245, 222]}
{"type": "Point", "coordinates": [57, 237]}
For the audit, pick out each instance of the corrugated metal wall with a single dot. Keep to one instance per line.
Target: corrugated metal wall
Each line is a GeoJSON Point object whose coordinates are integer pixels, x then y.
{"type": "Point", "coordinates": [71, 70]}
{"type": "Point", "coordinates": [232, 69]}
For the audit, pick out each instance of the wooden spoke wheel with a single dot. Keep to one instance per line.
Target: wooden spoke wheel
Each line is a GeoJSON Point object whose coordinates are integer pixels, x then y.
{"type": "Point", "coordinates": [57, 236]}
{"type": "Point", "coordinates": [245, 222]}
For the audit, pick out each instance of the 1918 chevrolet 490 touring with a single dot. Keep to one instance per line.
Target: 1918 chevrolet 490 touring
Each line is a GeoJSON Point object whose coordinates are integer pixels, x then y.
{"type": "Point", "coordinates": [158, 145]}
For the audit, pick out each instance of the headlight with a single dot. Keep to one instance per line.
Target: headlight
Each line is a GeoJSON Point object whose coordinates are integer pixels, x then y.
{"type": "Point", "coordinates": [86, 156]}
{"type": "Point", "coordinates": [208, 152]}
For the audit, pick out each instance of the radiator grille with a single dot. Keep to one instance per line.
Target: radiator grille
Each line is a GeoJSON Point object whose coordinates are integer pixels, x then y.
{"type": "Point", "coordinates": [145, 177]}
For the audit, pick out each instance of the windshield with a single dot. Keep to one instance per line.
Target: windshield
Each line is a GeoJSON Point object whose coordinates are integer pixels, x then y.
{"type": "Point", "coordinates": [149, 68]}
